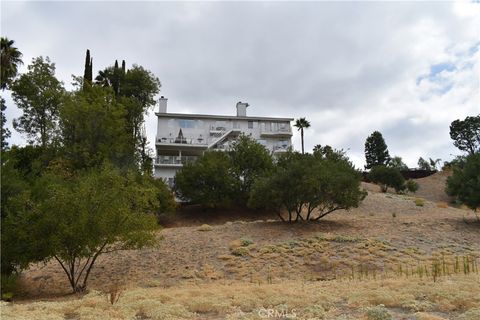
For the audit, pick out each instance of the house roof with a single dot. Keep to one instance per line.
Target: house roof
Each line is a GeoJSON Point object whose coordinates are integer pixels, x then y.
{"type": "Point", "coordinates": [209, 116]}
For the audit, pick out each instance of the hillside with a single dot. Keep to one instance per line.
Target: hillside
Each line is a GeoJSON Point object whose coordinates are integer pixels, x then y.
{"type": "Point", "coordinates": [227, 269]}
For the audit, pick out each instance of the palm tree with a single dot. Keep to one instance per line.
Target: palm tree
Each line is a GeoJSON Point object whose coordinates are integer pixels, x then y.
{"type": "Point", "coordinates": [11, 58]}
{"type": "Point", "coordinates": [301, 124]}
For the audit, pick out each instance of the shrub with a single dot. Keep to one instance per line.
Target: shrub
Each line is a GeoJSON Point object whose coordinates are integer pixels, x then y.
{"type": "Point", "coordinates": [464, 183]}
{"type": "Point", "coordinates": [76, 219]}
{"type": "Point", "coordinates": [240, 251]}
{"type": "Point", "coordinates": [378, 313]}
{"type": "Point", "coordinates": [411, 186]}
{"type": "Point", "coordinates": [209, 181]}
{"type": "Point", "coordinates": [205, 227]}
{"type": "Point", "coordinates": [387, 177]}
{"type": "Point", "coordinates": [249, 160]}
{"type": "Point", "coordinates": [305, 181]}
{"type": "Point", "coordinates": [419, 202]}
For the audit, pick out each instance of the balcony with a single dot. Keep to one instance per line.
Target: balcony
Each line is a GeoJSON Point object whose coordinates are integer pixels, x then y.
{"type": "Point", "coordinates": [281, 148]}
{"type": "Point", "coordinates": [174, 161]}
{"type": "Point", "coordinates": [281, 132]}
{"type": "Point", "coordinates": [200, 141]}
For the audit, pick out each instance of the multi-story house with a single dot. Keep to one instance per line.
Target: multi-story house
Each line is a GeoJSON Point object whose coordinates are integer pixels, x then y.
{"type": "Point", "coordinates": [182, 138]}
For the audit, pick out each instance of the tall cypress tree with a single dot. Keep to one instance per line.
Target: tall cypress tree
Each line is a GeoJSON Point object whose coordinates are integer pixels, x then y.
{"type": "Point", "coordinates": [87, 73]}
{"type": "Point", "coordinates": [116, 78]}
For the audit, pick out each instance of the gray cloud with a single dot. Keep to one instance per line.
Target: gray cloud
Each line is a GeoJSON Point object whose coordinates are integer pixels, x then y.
{"type": "Point", "coordinates": [350, 68]}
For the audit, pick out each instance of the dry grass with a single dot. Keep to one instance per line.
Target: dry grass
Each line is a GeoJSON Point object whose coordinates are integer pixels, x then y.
{"type": "Point", "coordinates": [457, 297]}
{"type": "Point", "coordinates": [381, 253]}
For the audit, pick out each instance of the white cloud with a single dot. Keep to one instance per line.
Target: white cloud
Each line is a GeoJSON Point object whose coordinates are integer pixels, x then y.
{"type": "Point", "coordinates": [350, 68]}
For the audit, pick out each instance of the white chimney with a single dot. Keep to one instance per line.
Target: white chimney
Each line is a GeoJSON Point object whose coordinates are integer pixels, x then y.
{"type": "Point", "coordinates": [242, 109]}
{"type": "Point", "coordinates": [162, 105]}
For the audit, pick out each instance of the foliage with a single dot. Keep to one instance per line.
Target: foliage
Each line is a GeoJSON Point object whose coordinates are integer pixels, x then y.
{"type": "Point", "coordinates": [411, 186]}
{"type": "Point", "coordinates": [249, 160]}
{"type": "Point", "coordinates": [376, 151]}
{"type": "Point", "coordinates": [419, 202]}
{"type": "Point", "coordinates": [11, 58]}
{"type": "Point", "coordinates": [165, 199]}
{"type": "Point", "coordinates": [424, 164]}
{"type": "Point", "coordinates": [135, 89]}
{"type": "Point", "coordinates": [208, 181]}
{"type": "Point", "coordinates": [5, 133]}
{"type": "Point", "coordinates": [93, 130]}
{"type": "Point", "coordinates": [307, 182]}
{"type": "Point", "coordinates": [466, 134]}
{"type": "Point", "coordinates": [434, 163]}
{"type": "Point", "coordinates": [378, 313]}
{"type": "Point", "coordinates": [39, 95]}
{"type": "Point", "coordinates": [88, 72]}
{"type": "Point", "coordinates": [458, 161]}
{"type": "Point", "coordinates": [387, 177]}
{"type": "Point", "coordinates": [397, 162]}
{"type": "Point", "coordinates": [301, 124]}
{"type": "Point", "coordinates": [75, 219]}
{"type": "Point", "coordinates": [327, 152]}
{"type": "Point", "coordinates": [464, 183]}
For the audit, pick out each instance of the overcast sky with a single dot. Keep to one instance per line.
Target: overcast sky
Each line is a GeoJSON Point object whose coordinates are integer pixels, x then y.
{"type": "Point", "coordinates": [405, 69]}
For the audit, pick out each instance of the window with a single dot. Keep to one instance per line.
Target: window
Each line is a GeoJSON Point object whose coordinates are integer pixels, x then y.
{"type": "Point", "coordinates": [262, 142]}
{"type": "Point", "coordinates": [250, 124]}
{"type": "Point", "coordinates": [183, 123]}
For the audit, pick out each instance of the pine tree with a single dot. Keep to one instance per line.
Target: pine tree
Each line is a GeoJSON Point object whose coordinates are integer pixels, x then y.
{"type": "Point", "coordinates": [376, 151]}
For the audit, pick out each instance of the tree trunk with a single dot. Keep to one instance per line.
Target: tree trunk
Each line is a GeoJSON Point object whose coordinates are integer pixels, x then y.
{"type": "Point", "coordinates": [301, 133]}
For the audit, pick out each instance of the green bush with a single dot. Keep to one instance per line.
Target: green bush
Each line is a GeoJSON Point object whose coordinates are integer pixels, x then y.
{"type": "Point", "coordinates": [209, 181]}
{"type": "Point", "coordinates": [387, 177]}
{"type": "Point", "coordinates": [411, 186]}
{"type": "Point", "coordinates": [8, 286]}
{"type": "Point", "coordinates": [378, 313]}
{"type": "Point", "coordinates": [464, 183]}
{"type": "Point", "coordinates": [305, 181]}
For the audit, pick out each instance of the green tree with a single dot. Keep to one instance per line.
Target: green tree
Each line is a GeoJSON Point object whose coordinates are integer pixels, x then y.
{"type": "Point", "coordinates": [301, 124]}
{"type": "Point", "coordinates": [93, 129]}
{"type": "Point", "coordinates": [411, 185]}
{"type": "Point", "coordinates": [250, 160]}
{"type": "Point", "coordinates": [39, 95]}
{"type": "Point", "coordinates": [11, 58]}
{"type": "Point", "coordinates": [434, 163]}
{"type": "Point", "coordinates": [464, 183]}
{"type": "Point", "coordinates": [424, 165]}
{"type": "Point", "coordinates": [376, 151]}
{"type": "Point", "coordinates": [75, 219]}
{"type": "Point", "coordinates": [135, 89]}
{"type": "Point", "coordinates": [88, 72]}
{"type": "Point", "coordinates": [209, 181]}
{"type": "Point", "coordinates": [308, 187]}
{"type": "Point", "coordinates": [397, 162]}
{"type": "Point", "coordinates": [5, 133]}
{"type": "Point", "coordinates": [387, 177]}
{"type": "Point", "coordinates": [466, 134]}
{"type": "Point", "coordinates": [327, 152]}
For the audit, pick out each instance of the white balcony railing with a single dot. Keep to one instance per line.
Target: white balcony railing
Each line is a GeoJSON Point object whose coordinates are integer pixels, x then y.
{"type": "Point", "coordinates": [175, 160]}
{"type": "Point", "coordinates": [195, 141]}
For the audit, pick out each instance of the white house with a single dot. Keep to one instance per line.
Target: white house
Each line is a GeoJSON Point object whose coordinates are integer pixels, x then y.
{"type": "Point", "coordinates": [182, 138]}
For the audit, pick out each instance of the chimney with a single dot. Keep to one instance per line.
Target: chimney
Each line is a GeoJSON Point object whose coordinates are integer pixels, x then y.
{"type": "Point", "coordinates": [242, 109]}
{"type": "Point", "coordinates": [162, 105]}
